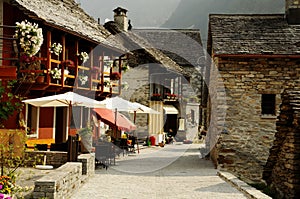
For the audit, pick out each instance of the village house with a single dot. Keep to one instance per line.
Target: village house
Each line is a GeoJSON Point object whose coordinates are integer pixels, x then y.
{"type": "Point", "coordinates": [254, 58]}
{"type": "Point", "coordinates": [159, 76]}
{"type": "Point", "coordinates": [75, 54]}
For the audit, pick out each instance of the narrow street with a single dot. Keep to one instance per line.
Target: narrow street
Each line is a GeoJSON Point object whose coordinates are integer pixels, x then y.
{"type": "Point", "coordinates": [175, 171]}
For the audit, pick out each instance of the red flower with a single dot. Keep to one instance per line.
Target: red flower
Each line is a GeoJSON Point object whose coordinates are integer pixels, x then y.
{"type": "Point", "coordinates": [115, 76]}
{"type": "Point", "coordinates": [156, 95]}
{"type": "Point", "coordinates": [27, 59]}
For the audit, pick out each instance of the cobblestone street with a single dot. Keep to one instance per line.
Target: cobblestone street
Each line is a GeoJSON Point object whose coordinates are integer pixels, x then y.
{"type": "Point", "coordinates": [175, 171]}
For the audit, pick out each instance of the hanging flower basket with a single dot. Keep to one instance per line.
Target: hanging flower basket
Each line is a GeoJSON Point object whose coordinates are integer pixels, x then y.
{"type": "Point", "coordinates": [83, 57]}
{"type": "Point", "coordinates": [30, 37]}
{"type": "Point", "coordinates": [83, 79]}
{"type": "Point", "coordinates": [56, 48]}
{"type": "Point", "coordinates": [115, 76]}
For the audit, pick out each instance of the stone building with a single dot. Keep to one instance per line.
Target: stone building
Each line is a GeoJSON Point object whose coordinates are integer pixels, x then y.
{"type": "Point", "coordinates": [159, 77]}
{"type": "Point", "coordinates": [254, 58]}
{"type": "Point", "coordinates": [282, 169]}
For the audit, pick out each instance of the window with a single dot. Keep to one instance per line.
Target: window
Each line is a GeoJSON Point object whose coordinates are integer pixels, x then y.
{"type": "Point", "coordinates": [32, 120]}
{"type": "Point", "coordinates": [268, 104]}
{"type": "Point", "coordinates": [193, 116]}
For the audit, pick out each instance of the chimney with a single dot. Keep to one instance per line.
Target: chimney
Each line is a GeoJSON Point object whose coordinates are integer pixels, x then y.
{"type": "Point", "coordinates": [120, 18]}
{"type": "Point", "coordinates": [292, 11]}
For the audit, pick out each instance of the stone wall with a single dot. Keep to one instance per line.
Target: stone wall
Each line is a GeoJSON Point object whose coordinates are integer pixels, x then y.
{"type": "Point", "coordinates": [61, 182]}
{"type": "Point", "coordinates": [283, 166]}
{"type": "Point", "coordinates": [246, 136]}
{"type": "Point", "coordinates": [54, 158]}
{"type": "Point", "coordinates": [138, 91]}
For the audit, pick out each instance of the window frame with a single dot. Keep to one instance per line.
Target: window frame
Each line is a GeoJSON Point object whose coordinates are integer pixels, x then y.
{"type": "Point", "coordinates": [268, 104]}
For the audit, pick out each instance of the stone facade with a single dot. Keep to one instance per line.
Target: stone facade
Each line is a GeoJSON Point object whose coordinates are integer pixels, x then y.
{"type": "Point", "coordinates": [282, 168]}
{"type": "Point", "coordinates": [138, 91]}
{"type": "Point", "coordinates": [246, 135]}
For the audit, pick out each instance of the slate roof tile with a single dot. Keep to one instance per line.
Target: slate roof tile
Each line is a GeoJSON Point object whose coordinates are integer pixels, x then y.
{"type": "Point", "coordinates": [181, 45]}
{"type": "Point", "coordinates": [68, 15]}
{"type": "Point", "coordinates": [253, 34]}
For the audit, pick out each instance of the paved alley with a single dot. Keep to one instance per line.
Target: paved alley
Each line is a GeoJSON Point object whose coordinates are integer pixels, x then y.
{"type": "Point", "coordinates": [175, 171]}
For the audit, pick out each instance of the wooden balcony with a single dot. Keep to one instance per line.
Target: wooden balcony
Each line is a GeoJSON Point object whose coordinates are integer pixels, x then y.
{"type": "Point", "coordinates": [34, 74]}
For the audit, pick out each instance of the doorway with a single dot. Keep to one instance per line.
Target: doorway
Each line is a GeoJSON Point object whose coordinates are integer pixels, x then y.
{"type": "Point", "coordinates": [60, 125]}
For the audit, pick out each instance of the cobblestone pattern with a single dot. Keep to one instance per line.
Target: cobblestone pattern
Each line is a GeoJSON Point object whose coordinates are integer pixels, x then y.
{"type": "Point", "coordinates": [174, 171]}
{"type": "Point", "coordinates": [247, 136]}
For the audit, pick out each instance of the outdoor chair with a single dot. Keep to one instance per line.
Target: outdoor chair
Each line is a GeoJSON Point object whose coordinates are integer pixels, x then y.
{"type": "Point", "coordinates": [131, 147]}
{"type": "Point", "coordinates": [41, 147]}
{"type": "Point", "coordinates": [105, 154]}
{"type": "Point", "coordinates": [124, 145]}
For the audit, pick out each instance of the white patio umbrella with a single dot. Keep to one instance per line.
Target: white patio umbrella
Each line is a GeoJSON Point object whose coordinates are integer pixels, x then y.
{"type": "Point", "coordinates": [68, 99]}
{"type": "Point", "coordinates": [120, 104]}
{"type": "Point", "coordinates": [145, 109]}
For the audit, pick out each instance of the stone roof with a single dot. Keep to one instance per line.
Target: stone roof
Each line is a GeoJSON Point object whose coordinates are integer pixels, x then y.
{"type": "Point", "coordinates": [67, 15]}
{"type": "Point", "coordinates": [253, 34]}
{"type": "Point", "coordinates": [134, 42]}
{"type": "Point", "coordinates": [181, 45]}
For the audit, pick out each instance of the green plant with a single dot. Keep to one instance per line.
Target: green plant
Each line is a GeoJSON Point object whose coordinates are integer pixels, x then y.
{"type": "Point", "coordinates": [12, 156]}
{"type": "Point", "coordinates": [30, 37]}
{"type": "Point", "coordinates": [85, 131]}
{"type": "Point", "coordinates": [56, 48]}
{"type": "Point", "coordinates": [106, 83]}
{"type": "Point", "coordinates": [9, 102]}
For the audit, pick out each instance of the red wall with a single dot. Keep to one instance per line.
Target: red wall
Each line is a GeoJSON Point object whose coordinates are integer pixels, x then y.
{"type": "Point", "coordinates": [46, 123]}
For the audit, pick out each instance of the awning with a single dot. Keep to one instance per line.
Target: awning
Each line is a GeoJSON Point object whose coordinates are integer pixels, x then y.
{"type": "Point", "coordinates": [108, 116]}
{"type": "Point", "coordinates": [170, 109]}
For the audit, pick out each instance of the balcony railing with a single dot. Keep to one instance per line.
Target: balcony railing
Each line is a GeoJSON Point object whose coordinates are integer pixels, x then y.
{"type": "Point", "coordinates": [164, 97]}
{"type": "Point", "coordinates": [72, 74]}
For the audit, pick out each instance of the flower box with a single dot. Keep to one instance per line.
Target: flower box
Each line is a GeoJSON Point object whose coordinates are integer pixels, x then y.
{"type": "Point", "coordinates": [115, 76]}
{"type": "Point", "coordinates": [40, 79]}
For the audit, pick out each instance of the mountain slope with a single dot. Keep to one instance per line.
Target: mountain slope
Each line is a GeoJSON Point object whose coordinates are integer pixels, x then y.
{"type": "Point", "coordinates": [194, 13]}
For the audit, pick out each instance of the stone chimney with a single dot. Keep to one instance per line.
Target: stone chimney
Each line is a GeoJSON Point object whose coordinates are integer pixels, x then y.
{"type": "Point", "coordinates": [292, 11]}
{"type": "Point", "coordinates": [120, 18]}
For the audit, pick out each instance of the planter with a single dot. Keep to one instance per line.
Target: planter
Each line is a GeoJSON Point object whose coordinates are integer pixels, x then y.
{"type": "Point", "coordinates": [115, 76]}
{"type": "Point", "coordinates": [40, 79]}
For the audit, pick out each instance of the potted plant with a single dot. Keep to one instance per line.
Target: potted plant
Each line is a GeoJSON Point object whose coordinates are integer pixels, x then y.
{"type": "Point", "coordinates": [115, 76]}
{"type": "Point", "coordinates": [56, 73]}
{"type": "Point", "coordinates": [106, 83]}
{"type": "Point", "coordinates": [56, 48]}
{"type": "Point", "coordinates": [125, 67]}
{"type": "Point", "coordinates": [83, 79]}
{"type": "Point", "coordinates": [86, 138]}
{"type": "Point", "coordinates": [30, 37]}
{"type": "Point", "coordinates": [40, 78]}
{"type": "Point", "coordinates": [83, 57]}
{"type": "Point", "coordinates": [156, 97]}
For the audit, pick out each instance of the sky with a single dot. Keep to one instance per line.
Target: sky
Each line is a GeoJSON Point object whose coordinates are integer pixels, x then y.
{"type": "Point", "coordinates": [142, 13]}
